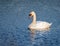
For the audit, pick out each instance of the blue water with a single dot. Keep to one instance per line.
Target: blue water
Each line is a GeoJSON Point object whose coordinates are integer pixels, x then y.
{"type": "Point", "coordinates": [14, 22]}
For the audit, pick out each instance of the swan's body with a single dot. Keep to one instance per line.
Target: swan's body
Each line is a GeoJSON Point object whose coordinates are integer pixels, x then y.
{"type": "Point", "coordinates": [38, 25]}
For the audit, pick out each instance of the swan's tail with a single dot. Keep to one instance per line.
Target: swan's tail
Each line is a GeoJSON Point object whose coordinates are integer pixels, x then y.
{"type": "Point", "coordinates": [50, 24]}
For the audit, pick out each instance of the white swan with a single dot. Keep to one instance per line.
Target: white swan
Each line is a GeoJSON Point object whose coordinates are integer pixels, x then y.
{"type": "Point", "coordinates": [38, 25]}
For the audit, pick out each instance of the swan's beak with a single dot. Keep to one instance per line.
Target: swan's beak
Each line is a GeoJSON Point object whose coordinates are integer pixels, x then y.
{"type": "Point", "coordinates": [30, 15]}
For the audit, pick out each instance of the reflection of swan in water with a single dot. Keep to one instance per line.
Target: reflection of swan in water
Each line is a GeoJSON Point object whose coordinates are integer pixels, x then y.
{"type": "Point", "coordinates": [38, 25]}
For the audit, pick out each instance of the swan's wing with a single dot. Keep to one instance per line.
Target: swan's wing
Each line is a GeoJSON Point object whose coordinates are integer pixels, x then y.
{"type": "Point", "coordinates": [43, 24]}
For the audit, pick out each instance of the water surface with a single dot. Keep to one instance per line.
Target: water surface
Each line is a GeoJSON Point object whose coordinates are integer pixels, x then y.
{"type": "Point", "coordinates": [14, 22]}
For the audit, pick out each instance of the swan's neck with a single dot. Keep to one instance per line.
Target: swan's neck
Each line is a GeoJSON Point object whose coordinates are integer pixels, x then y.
{"type": "Point", "coordinates": [34, 19]}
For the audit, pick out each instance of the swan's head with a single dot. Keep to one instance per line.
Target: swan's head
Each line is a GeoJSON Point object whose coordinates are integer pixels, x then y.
{"type": "Point", "coordinates": [32, 13]}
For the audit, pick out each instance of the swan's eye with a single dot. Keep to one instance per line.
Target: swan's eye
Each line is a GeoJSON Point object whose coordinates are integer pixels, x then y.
{"type": "Point", "coordinates": [30, 14]}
